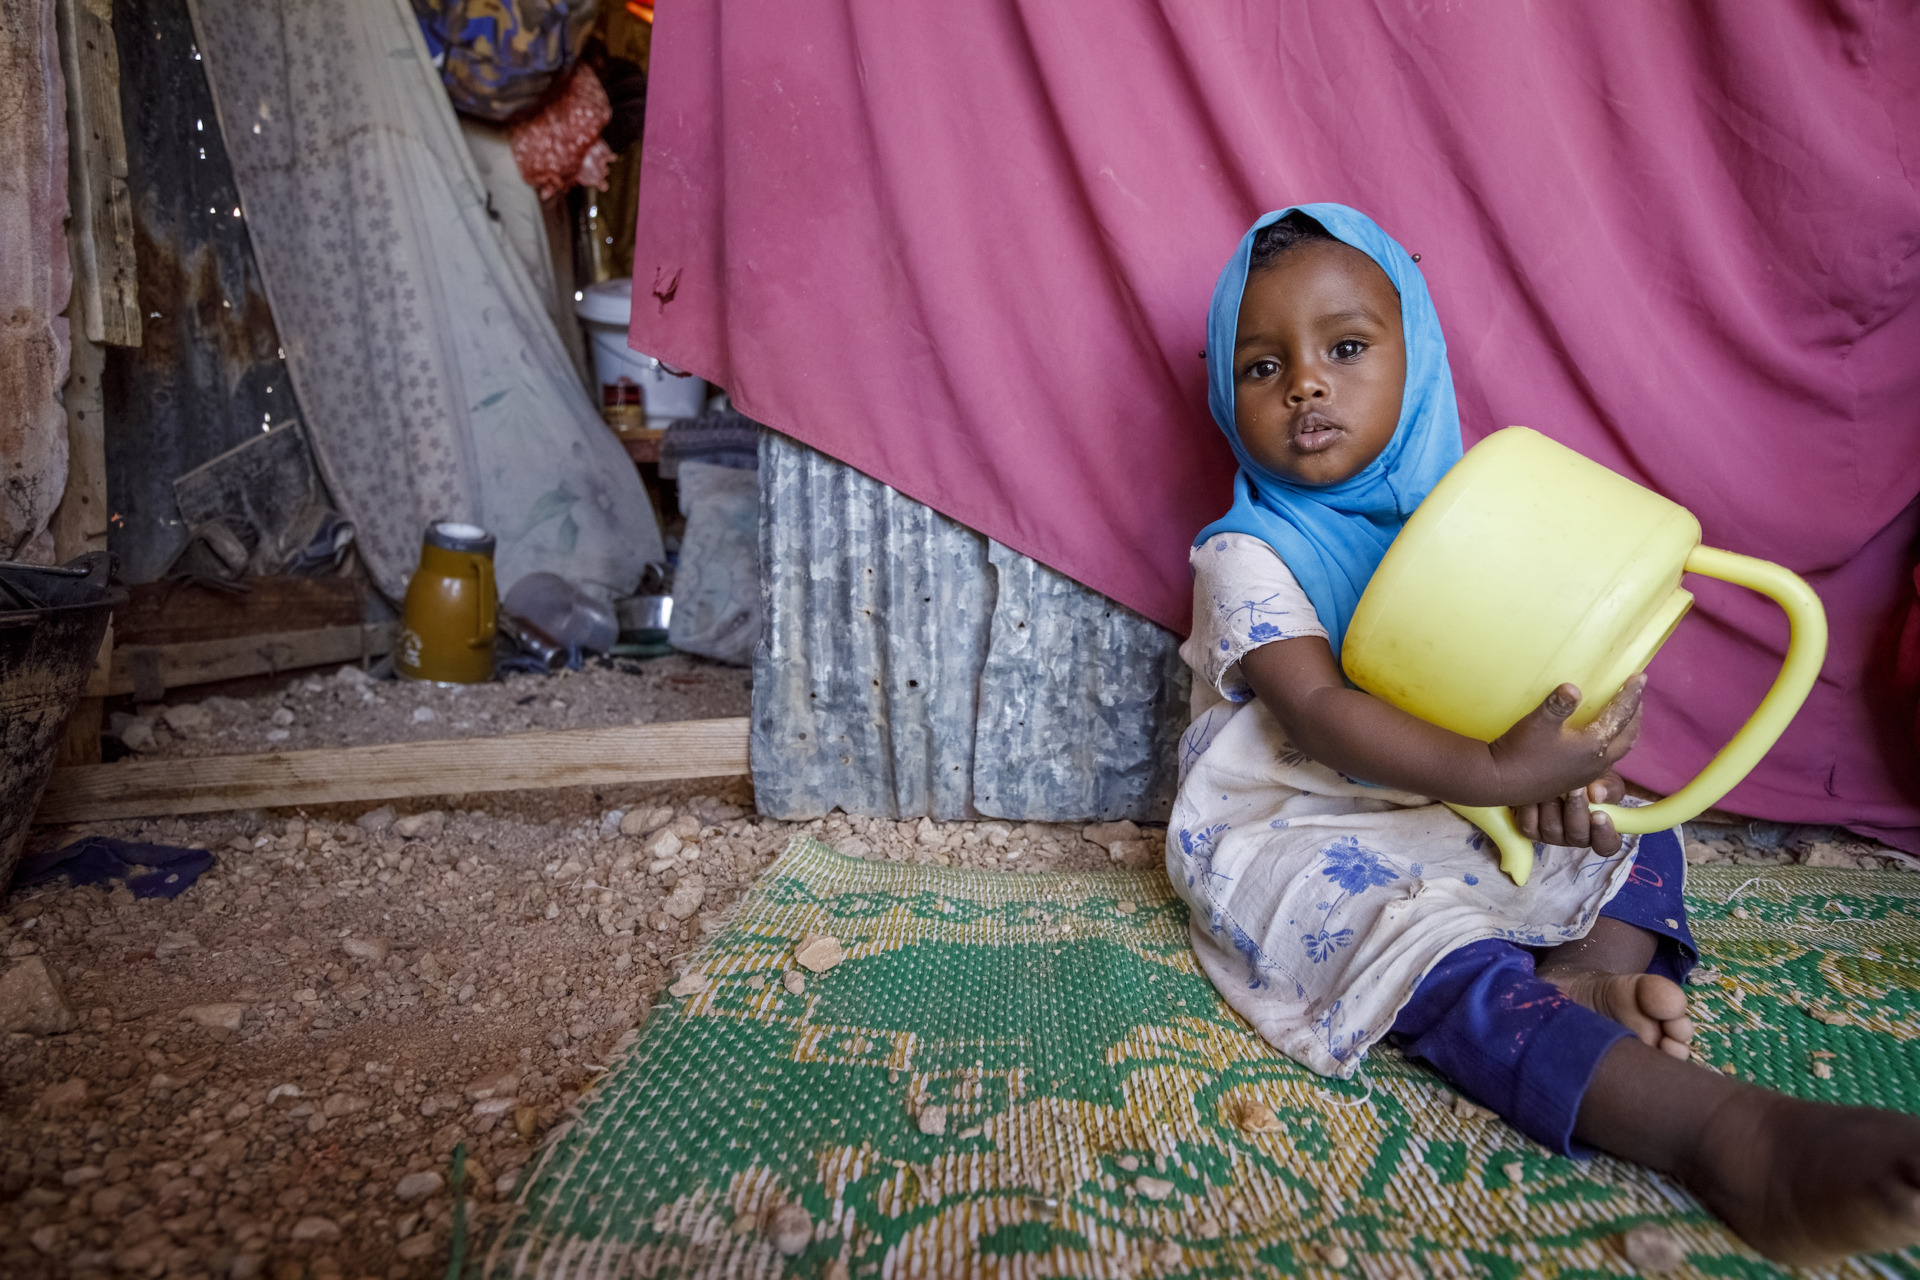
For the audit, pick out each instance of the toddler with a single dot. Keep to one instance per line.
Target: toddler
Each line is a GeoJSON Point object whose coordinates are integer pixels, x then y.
{"type": "Point", "coordinates": [1336, 901]}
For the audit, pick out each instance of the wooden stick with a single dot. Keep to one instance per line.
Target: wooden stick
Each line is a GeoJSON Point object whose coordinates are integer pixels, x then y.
{"type": "Point", "coordinates": [205, 661]}
{"type": "Point", "coordinates": [517, 762]}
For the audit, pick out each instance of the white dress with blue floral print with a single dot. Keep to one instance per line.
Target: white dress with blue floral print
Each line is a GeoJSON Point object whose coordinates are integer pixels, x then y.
{"type": "Point", "coordinates": [1320, 902]}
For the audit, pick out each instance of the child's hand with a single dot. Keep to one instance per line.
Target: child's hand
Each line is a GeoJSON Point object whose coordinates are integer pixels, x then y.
{"type": "Point", "coordinates": [1540, 760]}
{"type": "Point", "coordinates": [1568, 821]}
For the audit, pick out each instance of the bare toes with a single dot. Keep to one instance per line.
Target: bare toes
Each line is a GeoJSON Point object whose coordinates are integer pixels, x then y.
{"type": "Point", "coordinates": [1675, 1048]}
{"type": "Point", "coordinates": [1679, 1030]}
{"type": "Point", "coordinates": [1661, 998]}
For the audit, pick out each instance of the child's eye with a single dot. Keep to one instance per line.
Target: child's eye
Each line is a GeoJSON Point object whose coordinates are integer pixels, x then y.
{"type": "Point", "coordinates": [1262, 369]}
{"type": "Point", "coordinates": [1347, 349]}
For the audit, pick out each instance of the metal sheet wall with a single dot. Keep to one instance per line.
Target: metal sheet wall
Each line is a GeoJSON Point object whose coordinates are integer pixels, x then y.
{"type": "Point", "coordinates": [912, 667]}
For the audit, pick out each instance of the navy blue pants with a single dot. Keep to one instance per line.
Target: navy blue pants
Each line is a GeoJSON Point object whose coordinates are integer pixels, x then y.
{"type": "Point", "coordinates": [1512, 1041]}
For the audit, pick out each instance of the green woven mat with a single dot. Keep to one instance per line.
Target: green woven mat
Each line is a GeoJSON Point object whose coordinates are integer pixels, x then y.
{"type": "Point", "coordinates": [1026, 1075]}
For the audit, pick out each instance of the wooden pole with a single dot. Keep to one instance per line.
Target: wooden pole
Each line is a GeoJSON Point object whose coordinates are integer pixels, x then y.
{"type": "Point", "coordinates": [517, 762]}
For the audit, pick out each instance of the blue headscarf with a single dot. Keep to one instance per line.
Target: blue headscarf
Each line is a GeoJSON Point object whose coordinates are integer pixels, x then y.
{"type": "Point", "coordinates": [1332, 537]}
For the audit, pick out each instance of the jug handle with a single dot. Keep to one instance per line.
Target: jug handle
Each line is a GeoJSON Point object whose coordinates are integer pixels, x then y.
{"type": "Point", "coordinates": [485, 609]}
{"type": "Point", "coordinates": [1806, 650]}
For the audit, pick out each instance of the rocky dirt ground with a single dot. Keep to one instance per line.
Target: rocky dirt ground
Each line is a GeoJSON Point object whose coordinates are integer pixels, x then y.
{"type": "Point", "coordinates": [267, 1075]}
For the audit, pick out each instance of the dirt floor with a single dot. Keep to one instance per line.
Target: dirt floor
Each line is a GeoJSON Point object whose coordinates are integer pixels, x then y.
{"type": "Point", "coordinates": [266, 1075]}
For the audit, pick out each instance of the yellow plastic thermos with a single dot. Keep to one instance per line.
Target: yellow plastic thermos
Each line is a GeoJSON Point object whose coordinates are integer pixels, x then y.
{"type": "Point", "coordinates": [1530, 566]}
{"type": "Point", "coordinates": [447, 621]}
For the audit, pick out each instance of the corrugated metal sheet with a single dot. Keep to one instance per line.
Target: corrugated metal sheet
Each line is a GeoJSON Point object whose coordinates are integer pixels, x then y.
{"type": "Point", "coordinates": [1082, 703]}
{"type": "Point", "coordinates": [912, 667]}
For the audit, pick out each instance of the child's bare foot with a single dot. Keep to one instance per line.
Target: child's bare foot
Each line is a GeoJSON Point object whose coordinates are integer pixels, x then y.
{"type": "Point", "coordinates": [1652, 1007]}
{"type": "Point", "coordinates": [1802, 1182]}
{"type": "Point", "coordinates": [1606, 972]}
{"type": "Point", "coordinates": [1806, 1183]}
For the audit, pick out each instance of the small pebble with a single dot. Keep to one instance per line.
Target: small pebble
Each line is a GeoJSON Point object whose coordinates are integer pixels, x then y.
{"type": "Point", "coordinates": [316, 1229]}
{"type": "Point", "coordinates": [791, 1229]}
{"type": "Point", "coordinates": [819, 952]}
{"type": "Point", "coordinates": [373, 949]}
{"type": "Point", "coordinates": [1653, 1250]}
{"type": "Point", "coordinates": [1255, 1116]}
{"type": "Point", "coordinates": [415, 1185]}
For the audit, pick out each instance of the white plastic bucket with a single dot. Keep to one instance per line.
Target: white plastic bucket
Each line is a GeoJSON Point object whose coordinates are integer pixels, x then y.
{"type": "Point", "coordinates": [666, 393]}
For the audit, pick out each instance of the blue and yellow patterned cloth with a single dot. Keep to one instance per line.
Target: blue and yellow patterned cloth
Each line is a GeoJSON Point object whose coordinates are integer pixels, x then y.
{"type": "Point", "coordinates": [499, 58]}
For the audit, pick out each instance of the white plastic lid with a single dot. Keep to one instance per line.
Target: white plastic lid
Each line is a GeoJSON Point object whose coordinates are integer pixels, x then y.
{"type": "Point", "coordinates": [609, 302]}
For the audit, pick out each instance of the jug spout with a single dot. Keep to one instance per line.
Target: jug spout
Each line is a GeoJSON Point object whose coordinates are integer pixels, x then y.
{"type": "Point", "coordinates": [1516, 851]}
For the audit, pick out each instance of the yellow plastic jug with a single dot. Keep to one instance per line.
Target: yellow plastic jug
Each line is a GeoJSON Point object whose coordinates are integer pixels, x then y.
{"type": "Point", "coordinates": [447, 620]}
{"type": "Point", "coordinates": [1529, 567]}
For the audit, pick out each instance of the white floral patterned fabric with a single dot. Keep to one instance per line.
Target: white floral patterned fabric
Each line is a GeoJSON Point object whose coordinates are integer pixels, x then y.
{"type": "Point", "coordinates": [1319, 901]}
{"type": "Point", "coordinates": [431, 374]}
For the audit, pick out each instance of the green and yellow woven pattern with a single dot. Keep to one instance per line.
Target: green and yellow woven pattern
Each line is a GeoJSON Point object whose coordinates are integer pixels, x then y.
{"type": "Point", "coordinates": [1026, 1075]}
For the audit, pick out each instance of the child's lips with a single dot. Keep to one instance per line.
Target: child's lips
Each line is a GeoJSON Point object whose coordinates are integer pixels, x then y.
{"type": "Point", "coordinates": [1314, 433]}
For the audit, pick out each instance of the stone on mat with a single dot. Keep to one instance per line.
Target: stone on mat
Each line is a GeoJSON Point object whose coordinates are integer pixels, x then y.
{"type": "Point", "coordinates": [1153, 1188]}
{"type": "Point", "coordinates": [1255, 1116]}
{"type": "Point", "coordinates": [791, 1229]}
{"type": "Point", "coordinates": [691, 983]}
{"type": "Point", "coordinates": [794, 982]}
{"type": "Point", "coordinates": [819, 952]}
{"type": "Point", "coordinates": [1653, 1250]}
{"type": "Point", "coordinates": [933, 1121]}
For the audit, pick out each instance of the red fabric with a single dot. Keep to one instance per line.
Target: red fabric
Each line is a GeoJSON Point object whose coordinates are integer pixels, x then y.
{"type": "Point", "coordinates": [968, 249]}
{"type": "Point", "coordinates": [1906, 670]}
{"type": "Point", "coordinates": [560, 146]}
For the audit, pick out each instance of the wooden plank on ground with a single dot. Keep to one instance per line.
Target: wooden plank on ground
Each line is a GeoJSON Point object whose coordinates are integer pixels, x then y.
{"type": "Point", "coordinates": [148, 670]}
{"type": "Point", "coordinates": [176, 612]}
{"type": "Point", "coordinates": [517, 762]}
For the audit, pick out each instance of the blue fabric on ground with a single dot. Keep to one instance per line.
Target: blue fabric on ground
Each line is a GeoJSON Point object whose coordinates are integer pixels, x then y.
{"type": "Point", "coordinates": [100, 859]}
{"type": "Point", "coordinates": [1514, 1042]}
{"type": "Point", "coordinates": [1507, 1039]}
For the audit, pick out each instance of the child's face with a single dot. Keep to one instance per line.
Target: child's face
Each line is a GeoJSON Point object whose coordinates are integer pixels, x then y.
{"type": "Point", "coordinates": [1319, 363]}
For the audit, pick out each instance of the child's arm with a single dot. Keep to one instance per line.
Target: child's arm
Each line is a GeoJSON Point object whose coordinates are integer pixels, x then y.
{"type": "Point", "coordinates": [1539, 760]}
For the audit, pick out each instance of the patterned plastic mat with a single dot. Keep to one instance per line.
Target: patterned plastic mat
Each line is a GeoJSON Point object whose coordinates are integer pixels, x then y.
{"type": "Point", "coordinates": [1026, 1075]}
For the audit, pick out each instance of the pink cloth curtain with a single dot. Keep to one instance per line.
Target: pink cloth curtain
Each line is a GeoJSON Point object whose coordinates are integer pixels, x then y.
{"type": "Point", "coordinates": [968, 248]}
